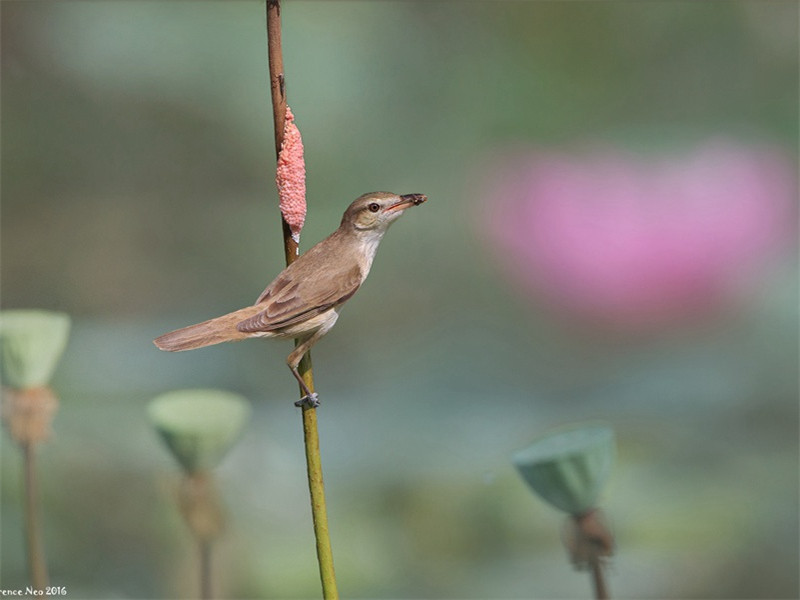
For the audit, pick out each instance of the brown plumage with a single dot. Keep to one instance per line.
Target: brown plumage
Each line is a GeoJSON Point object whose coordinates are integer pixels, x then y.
{"type": "Point", "coordinates": [303, 300]}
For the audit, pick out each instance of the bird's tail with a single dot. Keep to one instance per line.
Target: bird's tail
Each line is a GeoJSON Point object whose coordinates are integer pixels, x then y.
{"type": "Point", "coordinates": [207, 333]}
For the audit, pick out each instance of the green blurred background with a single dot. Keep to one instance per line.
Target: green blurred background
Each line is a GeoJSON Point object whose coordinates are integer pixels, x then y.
{"type": "Point", "coordinates": [138, 195]}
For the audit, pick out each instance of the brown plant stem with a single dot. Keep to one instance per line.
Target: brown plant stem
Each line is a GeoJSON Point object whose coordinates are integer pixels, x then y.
{"type": "Point", "coordinates": [204, 546]}
{"type": "Point", "coordinates": [28, 415]}
{"type": "Point", "coordinates": [202, 510]}
{"type": "Point", "coordinates": [310, 433]}
{"type": "Point", "coordinates": [33, 532]}
{"type": "Point", "coordinates": [590, 543]}
{"type": "Point", "coordinates": [598, 579]}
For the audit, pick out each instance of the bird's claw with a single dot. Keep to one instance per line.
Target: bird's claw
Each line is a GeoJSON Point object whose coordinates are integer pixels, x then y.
{"type": "Point", "coordinates": [309, 400]}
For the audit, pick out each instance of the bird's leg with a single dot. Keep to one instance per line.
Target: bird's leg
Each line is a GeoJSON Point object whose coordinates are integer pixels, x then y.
{"type": "Point", "coordinates": [310, 399]}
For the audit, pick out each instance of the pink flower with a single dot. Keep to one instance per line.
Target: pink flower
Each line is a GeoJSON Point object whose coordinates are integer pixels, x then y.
{"type": "Point", "coordinates": [636, 240]}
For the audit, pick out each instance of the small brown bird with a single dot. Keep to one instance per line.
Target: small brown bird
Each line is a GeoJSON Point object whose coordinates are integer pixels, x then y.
{"type": "Point", "coordinates": [303, 301]}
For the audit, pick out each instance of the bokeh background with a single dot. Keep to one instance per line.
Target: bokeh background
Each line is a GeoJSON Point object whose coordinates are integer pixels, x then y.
{"type": "Point", "coordinates": [610, 235]}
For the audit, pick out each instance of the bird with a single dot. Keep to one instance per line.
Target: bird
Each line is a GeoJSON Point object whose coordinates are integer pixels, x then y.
{"type": "Point", "coordinates": [304, 300]}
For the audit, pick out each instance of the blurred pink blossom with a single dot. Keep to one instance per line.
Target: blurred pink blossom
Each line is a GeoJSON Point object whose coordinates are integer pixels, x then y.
{"type": "Point", "coordinates": [641, 239]}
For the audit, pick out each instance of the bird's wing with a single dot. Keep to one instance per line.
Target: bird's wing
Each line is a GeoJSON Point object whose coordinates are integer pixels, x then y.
{"type": "Point", "coordinates": [297, 295]}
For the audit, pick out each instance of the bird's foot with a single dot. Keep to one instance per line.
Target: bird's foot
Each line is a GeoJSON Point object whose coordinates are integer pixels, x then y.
{"type": "Point", "coordinates": [309, 400]}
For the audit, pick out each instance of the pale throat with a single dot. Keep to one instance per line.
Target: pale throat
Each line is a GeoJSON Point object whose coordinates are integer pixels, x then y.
{"type": "Point", "coordinates": [369, 239]}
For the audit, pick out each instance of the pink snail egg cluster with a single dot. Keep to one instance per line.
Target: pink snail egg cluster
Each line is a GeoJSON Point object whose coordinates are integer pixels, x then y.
{"type": "Point", "coordinates": [291, 177]}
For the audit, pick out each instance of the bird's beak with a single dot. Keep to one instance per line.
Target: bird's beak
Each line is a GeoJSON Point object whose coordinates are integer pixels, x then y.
{"type": "Point", "coordinates": [407, 201]}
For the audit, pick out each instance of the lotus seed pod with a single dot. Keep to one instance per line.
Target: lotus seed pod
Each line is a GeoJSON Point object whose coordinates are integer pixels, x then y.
{"type": "Point", "coordinates": [569, 468]}
{"type": "Point", "coordinates": [32, 343]}
{"type": "Point", "coordinates": [291, 177]}
{"type": "Point", "coordinates": [199, 426]}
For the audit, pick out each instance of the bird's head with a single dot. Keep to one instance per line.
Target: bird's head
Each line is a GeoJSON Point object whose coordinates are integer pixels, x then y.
{"type": "Point", "coordinates": [377, 210]}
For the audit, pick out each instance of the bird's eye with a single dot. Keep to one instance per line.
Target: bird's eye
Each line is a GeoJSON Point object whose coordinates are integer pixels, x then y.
{"type": "Point", "coordinates": [374, 207]}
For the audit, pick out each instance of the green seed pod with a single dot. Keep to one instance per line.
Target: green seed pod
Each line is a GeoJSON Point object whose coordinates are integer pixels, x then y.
{"type": "Point", "coordinates": [569, 468]}
{"type": "Point", "coordinates": [32, 342]}
{"type": "Point", "coordinates": [199, 426]}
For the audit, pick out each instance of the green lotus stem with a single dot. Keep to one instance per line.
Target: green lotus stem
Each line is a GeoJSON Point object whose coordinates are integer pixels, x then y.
{"type": "Point", "coordinates": [310, 434]}
{"type": "Point", "coordinates": [318, 511]}
{"type": "Point", "coordinates": [33, 530]}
